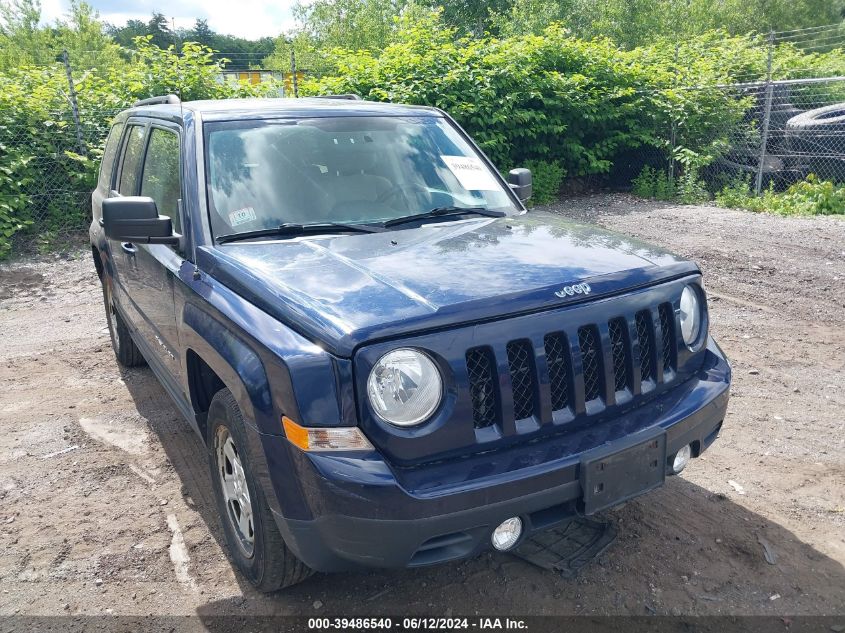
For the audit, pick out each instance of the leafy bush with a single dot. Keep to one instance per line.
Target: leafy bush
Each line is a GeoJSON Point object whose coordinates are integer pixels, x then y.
{"type": "Point", "coordinates": [654, 183]}
{"type": "Point", "coordinates": [807, 197]}
{"type": "Point", "coordinates": [687, 188]}
{"type": "Point", "coordinates": [550, 101]}
{"type": "Point", "coordinates": [690, 187]}
{"type": "Point", "coordinates": [736, 194]}
{"type": "Point", "coordinates": [547, 178]}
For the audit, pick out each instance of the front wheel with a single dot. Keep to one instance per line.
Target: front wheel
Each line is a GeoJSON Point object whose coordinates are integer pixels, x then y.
{"type": "Point", "coordinates": [254, 540]}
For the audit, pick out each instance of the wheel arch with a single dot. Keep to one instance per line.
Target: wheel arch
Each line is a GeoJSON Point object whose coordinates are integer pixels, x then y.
{"type": "Point", "coordinates": [216, 357]}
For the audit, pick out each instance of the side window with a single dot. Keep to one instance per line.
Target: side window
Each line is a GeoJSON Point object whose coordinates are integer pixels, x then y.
{"type": "Point", "coordinates": [131, 157]}
{"type": "Point", "coordinates": [161, 180]}
{"type": "Point", "coordinates": [107, 163]}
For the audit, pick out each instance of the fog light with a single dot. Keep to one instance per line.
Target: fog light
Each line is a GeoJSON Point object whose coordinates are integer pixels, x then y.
{"type": "Point", "coordinates": [681, 460]}
{"type": "Point", "coordinates": [507, 534]}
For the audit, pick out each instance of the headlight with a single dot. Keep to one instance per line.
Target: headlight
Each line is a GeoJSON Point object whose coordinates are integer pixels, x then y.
{"type": "Point", "coordinates": [691, 316]}
{"type": "Point", "coordinates": [404, 387]}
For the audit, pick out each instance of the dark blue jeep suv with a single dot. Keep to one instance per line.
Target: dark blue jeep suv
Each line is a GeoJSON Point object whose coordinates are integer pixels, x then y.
{"type": "Point", "coordinates": [391, 362]}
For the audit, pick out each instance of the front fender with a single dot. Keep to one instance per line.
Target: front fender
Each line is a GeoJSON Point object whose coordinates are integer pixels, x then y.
{"type": "Point", "coordinates": [271, 370]}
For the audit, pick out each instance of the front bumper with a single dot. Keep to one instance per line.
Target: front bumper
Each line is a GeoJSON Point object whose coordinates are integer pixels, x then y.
{"type": "Point", "coordinates": [361, 512]}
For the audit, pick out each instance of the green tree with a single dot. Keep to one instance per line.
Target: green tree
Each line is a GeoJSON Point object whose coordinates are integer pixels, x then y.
{"type": "Point", "coordinates": [201, 33]}
{"type": "Point", "coordinates": [22, 41]}
{"type": "Point", "coordinates": [159, 31]}
{"type": "Point", "coordinates": [83, 35]}
{"type": "Point", "coordinates": [470, 17]}
{"type": "Point", "coordinates": [126, 34]}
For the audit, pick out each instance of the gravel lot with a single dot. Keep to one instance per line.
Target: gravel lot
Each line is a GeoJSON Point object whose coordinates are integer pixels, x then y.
{"type": "Point", "coordinates": [105, 498]}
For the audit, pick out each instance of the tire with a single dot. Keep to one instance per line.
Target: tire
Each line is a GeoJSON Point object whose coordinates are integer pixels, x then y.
{"type": "Point", "coordinates": [828, 117]}
{"type": "Point", "coordinates": [255, 545]}
{"type": "Point", "coordinates": [125, 350]}
{"type": "Point", "coordinates": [817, 139]}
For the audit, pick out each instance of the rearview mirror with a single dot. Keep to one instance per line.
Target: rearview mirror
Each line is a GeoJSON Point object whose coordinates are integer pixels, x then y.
{"type": "Point", "coordinates": [520, 181]}
{"type": "Point", "coordinates": [136, 219]}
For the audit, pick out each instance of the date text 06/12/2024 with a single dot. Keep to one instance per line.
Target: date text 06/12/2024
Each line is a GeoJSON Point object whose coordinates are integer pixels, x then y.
{"type": "Point", "coordinates": [415, 624]}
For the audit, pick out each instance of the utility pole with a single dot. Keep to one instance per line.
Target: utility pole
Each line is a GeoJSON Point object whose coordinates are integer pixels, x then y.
{"type": "Point", "coordinates": [293, 71]}
{"type": "Point", "coordinates": [767, 114]}
{"type": "Point", "coordinates": [74, 105]}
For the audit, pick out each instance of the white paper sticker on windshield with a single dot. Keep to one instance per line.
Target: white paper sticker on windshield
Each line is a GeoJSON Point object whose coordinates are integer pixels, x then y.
{"type": "Point", "coordinates": [471, 173]}
{"type": "Point", "coordinates": [242, 216]}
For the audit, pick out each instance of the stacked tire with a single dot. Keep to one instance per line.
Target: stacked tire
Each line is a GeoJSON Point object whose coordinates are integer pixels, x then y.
{"type": "Point", "coordinates": [816, 142]}
{"type": "Point", "coordinates": [743, 158]}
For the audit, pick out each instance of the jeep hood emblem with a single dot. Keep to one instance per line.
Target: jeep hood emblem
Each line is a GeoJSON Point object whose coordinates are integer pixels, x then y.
{"type": "Point", "coordinates": [575, 289]}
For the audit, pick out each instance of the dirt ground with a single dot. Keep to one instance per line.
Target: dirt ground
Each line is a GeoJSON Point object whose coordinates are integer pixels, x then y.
{"type": "Point", "coordinates": [105, 500]}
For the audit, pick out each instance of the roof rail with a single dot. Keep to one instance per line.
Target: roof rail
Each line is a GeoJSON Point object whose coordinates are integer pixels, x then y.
{"type": "Point", "coordinates": [169, 99]}
{"type": "Point", "coordinates": [349, 97]}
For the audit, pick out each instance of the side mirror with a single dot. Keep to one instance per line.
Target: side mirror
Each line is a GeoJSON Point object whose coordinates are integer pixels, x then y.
{"type": "Point", "coordinates": [520, 182]}
{"type": "Point", "coordinates": [136, 219]}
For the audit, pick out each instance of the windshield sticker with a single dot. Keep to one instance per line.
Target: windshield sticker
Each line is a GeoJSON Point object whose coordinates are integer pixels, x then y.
{"type": "Point", "coordinates": [242, 216]}
{"type": "Point", "coordinates": [472, 174]}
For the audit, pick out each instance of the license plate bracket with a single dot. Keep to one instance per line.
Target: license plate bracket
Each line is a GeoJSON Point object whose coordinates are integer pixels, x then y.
{"type": "Point", "coordinates": [615, 473]}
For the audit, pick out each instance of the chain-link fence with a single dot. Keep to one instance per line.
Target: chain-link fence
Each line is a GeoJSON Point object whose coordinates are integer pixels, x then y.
{"type": "Point", "coordinates": [787, 130]}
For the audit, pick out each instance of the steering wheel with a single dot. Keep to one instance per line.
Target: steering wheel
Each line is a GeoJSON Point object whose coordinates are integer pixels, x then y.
{"type": "Point", "coordinates": [397, 190]}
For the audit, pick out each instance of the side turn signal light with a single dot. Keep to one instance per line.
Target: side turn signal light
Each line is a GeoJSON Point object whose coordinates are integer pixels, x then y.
{"type": "Point", "coordinates": [345, 438]}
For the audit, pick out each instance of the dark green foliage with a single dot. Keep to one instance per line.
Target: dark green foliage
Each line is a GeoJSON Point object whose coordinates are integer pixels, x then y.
{"type": "Point", "coordinates": [552, 98]}
{"type": "Point", "coordinates": [45, 176]}
{"type": "Point", "coordinates": [655, 184]}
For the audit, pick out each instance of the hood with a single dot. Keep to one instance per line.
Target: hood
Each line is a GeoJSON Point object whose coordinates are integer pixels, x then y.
{"type": "Point", "coordinates": [344, 290]}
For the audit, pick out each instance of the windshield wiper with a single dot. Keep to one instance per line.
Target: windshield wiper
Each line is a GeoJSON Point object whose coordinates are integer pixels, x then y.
{"type": "Point", "coordinates": [440, 212]}
{"type": "Point", "coordinates": [290, 229]}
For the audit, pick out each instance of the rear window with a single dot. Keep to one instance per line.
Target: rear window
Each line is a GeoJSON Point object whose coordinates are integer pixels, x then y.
{"type": "Point", "coordinates": [110, 151]}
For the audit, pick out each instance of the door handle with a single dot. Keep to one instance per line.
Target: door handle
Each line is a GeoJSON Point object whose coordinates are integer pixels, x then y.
{"type": "Point", "coordinates": [129, 248]}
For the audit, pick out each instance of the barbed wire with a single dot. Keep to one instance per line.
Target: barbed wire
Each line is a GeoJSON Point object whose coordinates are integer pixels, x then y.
{"type": "Point", "coordinates": [809, 28]}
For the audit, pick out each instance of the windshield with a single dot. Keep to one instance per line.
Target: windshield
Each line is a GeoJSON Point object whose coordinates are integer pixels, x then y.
{"type": "Point", "coordinates": [262, 174]}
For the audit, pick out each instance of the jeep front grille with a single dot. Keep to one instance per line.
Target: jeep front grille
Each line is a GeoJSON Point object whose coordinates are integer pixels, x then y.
{"type": "Point", "coordinates": [591, 360]}
{"type": "Point", "coordinates": [608, 355]}
{"type": "Point", "coordinates": [482, 380]}
{"type": "Point", "coordinates": [667, 330]}
{"type": "Point", "coordinates": [557, 359]}
{"type": "Point", "coordinates": [645, 336]}
{"type": "Point", "coordinates": [620, 351]}
{"type": "Point", "coordinates": [520, 358]}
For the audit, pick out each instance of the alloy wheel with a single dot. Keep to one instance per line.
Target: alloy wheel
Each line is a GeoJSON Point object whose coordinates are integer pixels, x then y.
{"type": "Point", "coordinates": [236, 496]}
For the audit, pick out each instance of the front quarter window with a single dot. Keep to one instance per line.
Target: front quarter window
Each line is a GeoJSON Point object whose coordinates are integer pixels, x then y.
{"type": "Point", "coordinates": [363, 169]}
